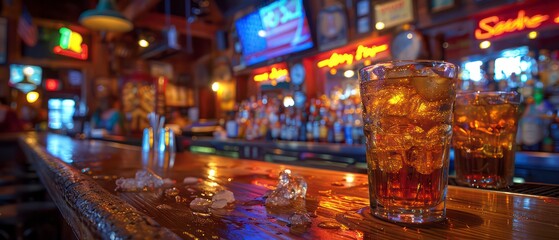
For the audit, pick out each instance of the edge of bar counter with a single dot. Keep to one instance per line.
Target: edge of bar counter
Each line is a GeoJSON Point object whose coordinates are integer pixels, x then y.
{"type": "Point", "coordinates": [93, 212]}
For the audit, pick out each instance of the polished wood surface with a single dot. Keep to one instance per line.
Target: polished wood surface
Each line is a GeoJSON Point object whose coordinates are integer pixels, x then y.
{"type": "Point", "coordinates": [80, 176]}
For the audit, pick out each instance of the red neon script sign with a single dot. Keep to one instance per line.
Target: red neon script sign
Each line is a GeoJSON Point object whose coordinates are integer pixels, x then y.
{"type": "Point", "coordinates": [493, 26]}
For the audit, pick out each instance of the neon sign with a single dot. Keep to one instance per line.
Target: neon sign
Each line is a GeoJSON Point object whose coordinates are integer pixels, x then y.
{"type": "Point", "coordinates": [70, 45]}
{"type": "Point", "coordinates": [361, 52]}
{"type": "Point", "coordinates": [492, 26]}
{"type": "Point", "coordinates": [52, 84]}
{"type": "Point", "coordinates": [274, 74]}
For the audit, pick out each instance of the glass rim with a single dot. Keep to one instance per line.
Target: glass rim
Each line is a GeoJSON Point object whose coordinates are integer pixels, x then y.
{"type": "Point", "coordinates": [514, 95]}
{"type": "Point", "coordinates": [377, 70]}
{"type": "Point", "coordinates": [487, 92]}
{"type": "Point", "coordinates": [397, 62]}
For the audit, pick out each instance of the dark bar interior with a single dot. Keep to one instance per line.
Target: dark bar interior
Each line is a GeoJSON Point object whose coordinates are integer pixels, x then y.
{"type": "Point", "coordinates": [225, 119]}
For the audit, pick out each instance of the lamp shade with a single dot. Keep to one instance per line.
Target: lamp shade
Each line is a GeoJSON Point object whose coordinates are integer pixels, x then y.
{"type": "Point", "coordinates": [105, 18]}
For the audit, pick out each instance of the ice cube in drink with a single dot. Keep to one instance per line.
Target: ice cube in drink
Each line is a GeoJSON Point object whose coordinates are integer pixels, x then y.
{"type": "Point", "coordinates": [484, 137]}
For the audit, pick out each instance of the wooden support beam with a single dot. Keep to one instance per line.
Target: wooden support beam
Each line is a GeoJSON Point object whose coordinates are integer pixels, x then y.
{"type": "Point", "coordinates": [138, 7]}
{"type": "Point", "coordinates": [157, 21]}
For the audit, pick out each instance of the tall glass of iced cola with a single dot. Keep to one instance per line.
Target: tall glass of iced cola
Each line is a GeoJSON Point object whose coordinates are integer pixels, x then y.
{"type": "Point", "coordinates": [407, 112]}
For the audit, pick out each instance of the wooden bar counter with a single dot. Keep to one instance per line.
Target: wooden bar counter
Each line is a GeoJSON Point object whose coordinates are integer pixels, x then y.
{"type": "Point", "coordinates": [80, 177]}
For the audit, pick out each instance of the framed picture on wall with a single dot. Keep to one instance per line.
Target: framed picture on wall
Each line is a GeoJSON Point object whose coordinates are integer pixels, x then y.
{"type": "Point", "coordinates": [436, 6]}
{"type": "Point", "coordinates": [3, 40]}
{"type": "Point", "coordinates": [393, 13]}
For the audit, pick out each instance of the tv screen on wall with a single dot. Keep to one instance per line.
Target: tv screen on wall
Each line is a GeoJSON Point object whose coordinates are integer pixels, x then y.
{"type": "Point", "coordinates": [275, 30]}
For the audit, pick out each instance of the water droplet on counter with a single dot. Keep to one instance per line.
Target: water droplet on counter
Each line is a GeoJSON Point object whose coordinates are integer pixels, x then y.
{"type": "Point", "coordinates": [171, 192]}
{"type": "Point", "coordinates": [325, 192]}
{"type": "Point", "coordinates": [201, 214]}
{"type": "Point", "coordinates": [163, 206]}
{"type": "Point", "coordinates": [338, 184]}
{"type": "Point", "coordinates": [329, 225]}
{"type": "Point", "coordinates": [179, 199]}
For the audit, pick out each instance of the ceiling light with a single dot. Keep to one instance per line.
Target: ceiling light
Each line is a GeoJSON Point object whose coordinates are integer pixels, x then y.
{"type": "Point", "coordinates": [215, 86]}
{"type": "Point", "coordinates": [143, 43]}
{"type": "Point", "coordinates": [532, 35]}
{"type": "Point", "coordinates": [485, 44]}
{"type": "Point", "coordinates": [349, 73]}
{"type": "Point", "coordinates": [32, 96]}
{"type": "Point", "coordinates": [105, 18]}
{"type": "Point", "coordinates": [379, 25]}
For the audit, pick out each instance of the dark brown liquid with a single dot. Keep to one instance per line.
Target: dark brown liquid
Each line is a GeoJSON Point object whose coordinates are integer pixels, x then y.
{"type": "Point", "coordinates": [477, 170]}
{"type": "Point", "coordinates": [408, 130]}
{"type": "Point", "coordinates": [402, 183]}
{"type": "Point", "coordinates": [408, 189]}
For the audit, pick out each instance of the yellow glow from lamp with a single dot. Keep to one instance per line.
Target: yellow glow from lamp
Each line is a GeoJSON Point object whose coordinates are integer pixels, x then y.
{"type": "Point", "coordinates": [333, 71]}
{"type": "Point", "coordinates": [485, 44]}
{"type": "Point", "coordinates": [143, 43]}
{"type": "Point", "coordinates": [215, 86]}
{"type": "Point", "coordinates": [379, 25]}
{"type": "Point", "coordinates": [367, 62]}
{"type": "Point", "coordinates": [28, 71]}
{"type": "Point", "coordinates": [406, 27]}
{"type": "Point", "coordinates": [532, 35]}
{"type": "Point", "coordinates": [32, 96]}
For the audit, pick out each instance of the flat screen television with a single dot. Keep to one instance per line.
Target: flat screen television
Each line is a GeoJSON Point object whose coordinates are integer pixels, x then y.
{"type": "Point", "coordinates": [275, 30]}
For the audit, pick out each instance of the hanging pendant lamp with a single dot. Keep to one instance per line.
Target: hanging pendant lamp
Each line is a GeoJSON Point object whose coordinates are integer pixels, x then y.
{"type": "Point", "coordinates": [105, 18]}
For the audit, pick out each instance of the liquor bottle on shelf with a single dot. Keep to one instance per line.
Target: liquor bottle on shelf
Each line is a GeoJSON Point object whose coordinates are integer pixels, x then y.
{"type": "Point", "coordinates": [331, 120]}
{"type": "Point", "coordinates": [323, 129]}
{"type": "Point", "coordinates": [544, 61]}
{"type": "Point", "coordinates": [231, 126]}
{"type": "Point", "coordinates": [552, 74]}
{"type": "Point", "coordinates": [302, 122]}
{"type": "Point", "coordinates": [316, 128]}
{"type": "Point", "coordinates": [532, 125]}
{"type": "Point", "coordinates": [554, 132]}
{"type": "Point", "coordinates": [338, 128]}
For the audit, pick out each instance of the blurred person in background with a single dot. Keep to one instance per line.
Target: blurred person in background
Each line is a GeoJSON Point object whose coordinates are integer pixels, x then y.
{"type": "Point", "coordinates": [9, 121]}
{"type": "Point", "coordinates": [109, 116]}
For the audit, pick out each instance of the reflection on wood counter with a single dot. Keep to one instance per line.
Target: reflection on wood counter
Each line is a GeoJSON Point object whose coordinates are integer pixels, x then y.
{"type": "Point", "coordinates": [80, 176]}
